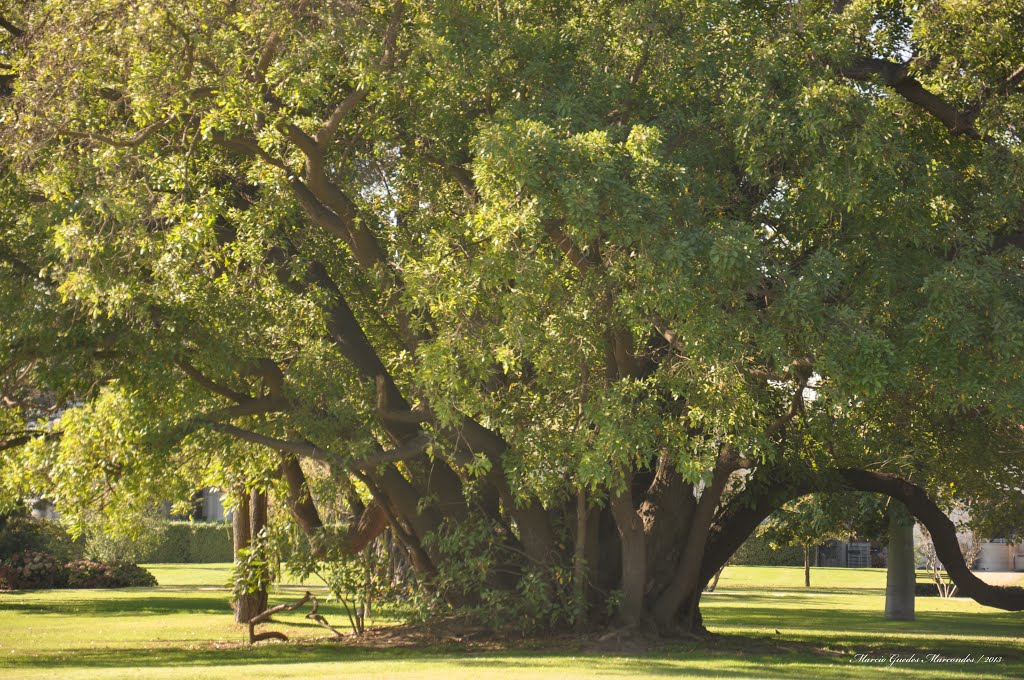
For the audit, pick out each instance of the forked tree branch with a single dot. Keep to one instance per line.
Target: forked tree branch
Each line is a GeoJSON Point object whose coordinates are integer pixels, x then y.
{"type": "Point", "coordinates": [313, 615]}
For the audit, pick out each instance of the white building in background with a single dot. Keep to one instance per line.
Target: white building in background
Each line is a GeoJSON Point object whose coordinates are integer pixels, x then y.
{"type": "Point", "coordinates": [209, 506]}
{"type": "Point", "coordinates": [995, 554]}
{"type": "Point", "coordinates": [1000, 555]}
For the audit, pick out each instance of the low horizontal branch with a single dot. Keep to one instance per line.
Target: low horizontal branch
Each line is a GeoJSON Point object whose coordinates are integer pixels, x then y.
{"type": "Point", "coordinates": [413, 447]}
{"type": "Point", "coordinates": [14, 440]}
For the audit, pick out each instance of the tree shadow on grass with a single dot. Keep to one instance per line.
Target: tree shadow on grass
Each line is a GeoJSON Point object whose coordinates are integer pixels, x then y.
{"type": "Point", "coordinates": [729, 656]}
{"type": "Point", "coordinates": [813, 591]}
{"type": "Point", "coordinates": [764, 612]}
{"type": "Point", "coordinates": [96, 606]}
{"type": "Point", "coordinates": [167, 602]}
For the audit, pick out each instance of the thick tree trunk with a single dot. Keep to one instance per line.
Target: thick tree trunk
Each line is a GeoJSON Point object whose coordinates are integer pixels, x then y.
{"type": "Point", "coordinates": [634, 559]}
{"type": "Point", "coordinates": [666, 511]}
{"type": "Point", "coordinates": [678, 603]}
{"type": "Point", "coordinates": [900, 574]}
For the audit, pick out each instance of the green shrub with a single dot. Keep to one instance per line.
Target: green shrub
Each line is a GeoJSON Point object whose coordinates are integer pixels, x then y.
{"type": "Point", "coordinates": [104, 544]}
{"type": "Point", "coordinates": [21, 532]}
{"type": "Point", "coordinates": [89, 574]}
{"type": "Point", "coordinates": [192, 542]}
{"type": "Point", "coordinates": [126, 575]}
{"type": "Point", "coordinates": [756, 551]}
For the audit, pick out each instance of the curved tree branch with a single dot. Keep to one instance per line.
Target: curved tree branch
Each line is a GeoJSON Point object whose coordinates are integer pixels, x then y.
{"type": "Point", "coordinates": [743, 515]}
{"type": "Point", "coordinates": [943, 532]}
{"type": "Point", "coordinates": [745, 512]}
{"type": "Point", "coordinates": [211, 385]}
{"type": "Point", "coordinates": [897, 76]}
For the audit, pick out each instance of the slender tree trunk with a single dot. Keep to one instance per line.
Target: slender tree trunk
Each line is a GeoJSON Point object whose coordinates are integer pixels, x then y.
{"type": "Point", "coordinates": [900, 574]}
{"type": "Point", "coordinates": [248, 520]}
{"type": "Point", "coordinates": [244, 604]}
{"type": "Point", "coordinates": [714, 583]}
{"type": "Point", "coordinates": [807, 566]}
{"type": "Point", "coordinates": [257, 523]}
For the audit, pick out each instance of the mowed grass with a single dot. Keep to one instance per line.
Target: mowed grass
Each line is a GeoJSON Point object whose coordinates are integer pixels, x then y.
{"type": "Point", "coordinates": [771, 626]}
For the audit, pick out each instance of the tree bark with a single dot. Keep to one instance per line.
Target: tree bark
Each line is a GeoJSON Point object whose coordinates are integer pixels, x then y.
{"type": "Point", "coordinates": [900, 574]}
{"type": "Point", "coordinates": [258, 523]}
{"type": "Point", "coordinates": [579, 563]}
{"type": "Point", "coordinates": [807, 566]}
{"type": "Point", "coordinates": [634, 559]}
{"type": "Point", "coordinates": [300, 502]}
{"type": "Point", "coordinates": [684, 586]}
{"type": "Point", "coordinates": [245, 605]}
{"type": "Point", "coordinates": [666, 511]}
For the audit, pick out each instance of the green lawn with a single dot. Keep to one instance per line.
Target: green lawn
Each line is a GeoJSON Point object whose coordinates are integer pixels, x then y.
{"type": "Point", "coordinates": [183, 629]}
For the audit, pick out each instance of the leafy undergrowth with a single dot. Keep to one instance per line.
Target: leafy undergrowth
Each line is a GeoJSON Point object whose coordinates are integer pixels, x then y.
{"type": "Point", "coordinates": [183, 629]}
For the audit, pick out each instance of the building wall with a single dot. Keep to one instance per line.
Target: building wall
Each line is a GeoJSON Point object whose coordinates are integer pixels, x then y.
{"type": "Point", "coordinates": [212, 505]}
{"type": "Point", "coordinates": [1001, 556]}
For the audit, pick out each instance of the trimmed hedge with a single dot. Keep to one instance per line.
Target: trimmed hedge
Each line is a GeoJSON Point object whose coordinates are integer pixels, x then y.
{"type": "Point", "coordinates": [756, 551]}
{"type": "Point", "coordinates": [194, 543]}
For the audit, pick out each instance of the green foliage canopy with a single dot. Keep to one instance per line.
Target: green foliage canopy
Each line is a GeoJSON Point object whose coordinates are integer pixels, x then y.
{"type": "Point", "coordinates": [548, 243]}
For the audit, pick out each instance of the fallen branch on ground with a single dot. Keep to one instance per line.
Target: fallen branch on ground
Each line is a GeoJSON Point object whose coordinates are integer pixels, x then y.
{"type": "Point", "coordinates": [313, 615]}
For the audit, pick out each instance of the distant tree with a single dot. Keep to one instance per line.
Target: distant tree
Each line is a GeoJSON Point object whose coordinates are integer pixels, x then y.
{"type": "Point", "coordinates": [970, 546]}
{"type": "Point", "coordinates": [810, 521]}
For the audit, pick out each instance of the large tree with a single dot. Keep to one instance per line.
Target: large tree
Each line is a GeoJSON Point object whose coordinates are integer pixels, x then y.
{"type": "Point", "coordinates": [551, 281]}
